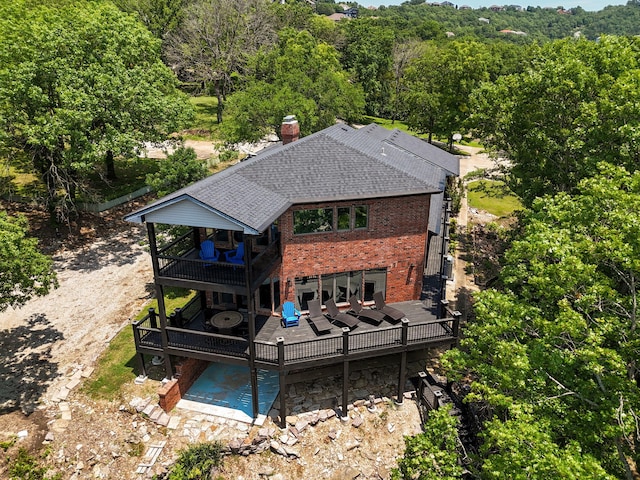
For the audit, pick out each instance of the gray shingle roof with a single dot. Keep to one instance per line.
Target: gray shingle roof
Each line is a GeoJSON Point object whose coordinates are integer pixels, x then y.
{"type": "Point", "coordinates": [337, 163]}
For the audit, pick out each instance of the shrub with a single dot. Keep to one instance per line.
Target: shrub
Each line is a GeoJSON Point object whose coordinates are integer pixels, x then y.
{"type": "Point", "coordinates": [196, 462]}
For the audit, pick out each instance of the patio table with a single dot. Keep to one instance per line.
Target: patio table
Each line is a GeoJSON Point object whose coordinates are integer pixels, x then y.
{"type": "Point", "coordinates": [227, 320]}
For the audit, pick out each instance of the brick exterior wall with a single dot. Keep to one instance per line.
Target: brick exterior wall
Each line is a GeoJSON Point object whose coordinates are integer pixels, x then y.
{"type": "Point", "coordinates": [187, 372]}
{"type": "Point", "coordinates": [395, 239]}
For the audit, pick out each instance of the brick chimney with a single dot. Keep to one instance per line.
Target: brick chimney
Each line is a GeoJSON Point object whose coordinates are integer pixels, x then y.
{"type": "Point", "coordinates": [290, 130]}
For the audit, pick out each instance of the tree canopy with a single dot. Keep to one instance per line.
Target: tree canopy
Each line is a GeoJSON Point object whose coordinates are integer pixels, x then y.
{"type": "Point", "coordinates": [555, 351]}
{"type": "Point", "coordinates": [24, 271]}
{"type": "Point", "coordinates": [301, 77]}
{"type": "Point", "coordinates": [81, 83]}
{"type": "Point", "coordinates": [574, 106]}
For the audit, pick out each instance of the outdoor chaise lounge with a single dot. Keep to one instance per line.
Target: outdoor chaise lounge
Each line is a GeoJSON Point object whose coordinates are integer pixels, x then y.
{"type": "Point", "coordinates": [316, 318]}
{"type": "Point", "coordinates": [336, 316]}
{"type": "Point", "coordinates": [235, 256]}
{"type": "Point", "coordinates": [208, 252]}
{"type": "Point", "coordinates": [393, 314]}
{"type": "Point", "coordinates": [290, 315]}
{"type": "Point", "coordinates": [370, 316]}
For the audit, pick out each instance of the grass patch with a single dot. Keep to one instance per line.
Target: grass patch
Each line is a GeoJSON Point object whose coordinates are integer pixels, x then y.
{"type": "Point", "coordinates": [492, 197]}
{"type": "Point", "coordinates": [117, 364]}
{"type": "Point", "coordinates": [205, 124]}
{"type": "Point", "coordinates": [19, 180]}
{"type": "Point", "coordinates": [131, 174]}
{"type": "Point", "coordinates": [388, 124]}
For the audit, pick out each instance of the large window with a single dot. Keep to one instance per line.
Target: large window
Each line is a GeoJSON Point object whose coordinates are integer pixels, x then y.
{"type": "Point", "coordinates": [340, 286]}
{"type": "Point", "coordinates": [321, 220]}
{"type": "Point", "coordinates": [313, 221]}
{"type": "Point", "coordinates": [306, 289]}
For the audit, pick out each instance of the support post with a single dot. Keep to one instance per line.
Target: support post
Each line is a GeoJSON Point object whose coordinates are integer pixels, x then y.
{"type": "Point", "coordinates": [456, 324]}
{"type": "Point", "coordinates": [168, 367]}
{"type": "Point", "coordinates": [402, 373]}
{"type": "Point", "coordinates": [444, 304]}
{"type": "Point", "coordinates": [251, 314]}
{"type": "Point", "coordinates": [283, 383]}
{"type": "Point", "coordinates": [143, 367]}
{"type": "Point", "coordinates": [153, 318]}
{"type": "Point", "coordinates": [345, 371]}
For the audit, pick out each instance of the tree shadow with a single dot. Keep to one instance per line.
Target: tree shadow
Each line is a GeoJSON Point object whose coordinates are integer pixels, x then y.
{"type": "Point", "coordinates": [26, 369]}
{"type": "Point", "coordinates": [117, 250]}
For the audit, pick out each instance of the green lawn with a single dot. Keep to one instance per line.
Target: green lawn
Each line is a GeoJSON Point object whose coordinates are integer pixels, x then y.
{"type": "Point", "coordinates": [118, 365]}
{"type": "Point", "coordinates": [492, 197]}
{"type": "Point", "coordinates": [205, 125]}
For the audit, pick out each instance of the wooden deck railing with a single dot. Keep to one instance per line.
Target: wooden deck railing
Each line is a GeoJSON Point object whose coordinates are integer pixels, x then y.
{"type": "Point", "coordinates": [321, 349]}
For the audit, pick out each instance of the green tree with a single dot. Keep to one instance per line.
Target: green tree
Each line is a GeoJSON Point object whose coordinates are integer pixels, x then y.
{"type": "Point", "coordinates": [574, 106]}
{"type": "Point", "coordinates": [161, 17]}
{"type": "Point", "coordinates": [301, 76]}
{"type": "Point", "coordinates": [368, 54]}
{"type": "Point", "coordinates": [81, 83]}
{"type": "Point", "coordinates": [24, 271]}
{"type": "Point", "coordinates": [558, 346]}
{"type": "Point", "coordinates": [179, 169]}
{"type": "Point", "coordinates": [439, 84]}
{"type": "Point", "coordinates": [215, 41]}
{"type": "Point", "coordinates": [432, 455]}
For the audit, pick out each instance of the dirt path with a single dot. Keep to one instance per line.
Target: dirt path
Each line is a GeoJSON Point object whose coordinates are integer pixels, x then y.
{"type": "Point", "coordinates": [102, 285]}
{"type": "Point", "coordinates": [463, 285]}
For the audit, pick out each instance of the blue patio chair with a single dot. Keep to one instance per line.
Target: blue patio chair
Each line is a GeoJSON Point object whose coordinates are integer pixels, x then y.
{"type": "Point", "coordinates": [290, 315]}
{"type": "Point", "coordinates": [235, 256]}
{"type": "Point", "coordinates": [208, 252]}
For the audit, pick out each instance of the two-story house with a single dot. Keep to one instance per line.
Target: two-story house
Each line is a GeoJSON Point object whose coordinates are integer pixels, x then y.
{"type": "Point", "coordinates": [338, 215]}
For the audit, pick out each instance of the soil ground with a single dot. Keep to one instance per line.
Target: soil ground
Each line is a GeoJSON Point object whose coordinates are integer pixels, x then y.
{"type": "Point", "coordinates": [105, 279]}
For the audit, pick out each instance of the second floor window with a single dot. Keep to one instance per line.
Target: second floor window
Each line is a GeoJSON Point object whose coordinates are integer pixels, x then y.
{"type": "Point", "coordinates": [322, 220]}
{"type": "Point", "coordinates": [313, 221]}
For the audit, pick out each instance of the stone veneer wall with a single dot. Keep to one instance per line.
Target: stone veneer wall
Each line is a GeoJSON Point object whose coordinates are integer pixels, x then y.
{"type": "Point", "coordinates": [187, 371]}
{"type": "Point", "coordinates": [395, 239]}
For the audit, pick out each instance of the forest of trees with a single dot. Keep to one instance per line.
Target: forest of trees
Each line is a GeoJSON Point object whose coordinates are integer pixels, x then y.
{"type": "Point", "coordinates": [550, 352]}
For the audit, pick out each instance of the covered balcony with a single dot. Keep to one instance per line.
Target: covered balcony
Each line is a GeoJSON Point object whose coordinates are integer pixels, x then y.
{"type": "Point", "coordinates": [178, 263]}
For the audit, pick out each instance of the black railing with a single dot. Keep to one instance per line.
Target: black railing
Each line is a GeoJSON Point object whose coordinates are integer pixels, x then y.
{"type": "Point", "coordinates": [199, 270]}
{"type": "Point", "coordinates": [178, 247]}
{"type": "Point", "coordinates": [196, 341]}
{"type": "Point", "coordinates": [362, 344]}
{"type": "Point", "coordinates": [179, 260]}
{"type": "Point", "coordinates": [146, 331]}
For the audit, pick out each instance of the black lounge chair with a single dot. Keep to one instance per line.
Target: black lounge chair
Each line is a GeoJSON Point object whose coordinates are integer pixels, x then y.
{"type": "Point", "coordinates": [317, 319]}
{"type": "Point", "coordinates": [393, 313]}
{"type": "Point", "coordinates": [370, 316]}
{"type": "Point", "coordinates": [344, 318]}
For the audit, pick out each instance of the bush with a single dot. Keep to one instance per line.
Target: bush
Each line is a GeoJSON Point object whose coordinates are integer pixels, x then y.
{"type": "Point", "coordinates": [25, 466]}
{"type": "Point", "coordinates": [180, 169]}
{"type": "Point", "coordinates": [196, 462]}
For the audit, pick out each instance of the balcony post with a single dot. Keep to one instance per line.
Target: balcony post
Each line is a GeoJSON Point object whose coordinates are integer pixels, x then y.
{"type": "Point", "coordinates": [345, 371]}
{"type": "Point", "coordinates": [283, 383]}
{"type": "Point", "coordinates": [251, 318]}
{"type": "Point", "coordinates": [153, 248]}
{"type": "Point", "coordinates": [442, 312]}
{"type": "Point", "coordinates": [402, 373]}
{"type": "Point", "coordinates": [153, 318]}
{"type": "Point", "coordinates": [456, 324]}
{"type": "Point", "coordinates": [168, 367]}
